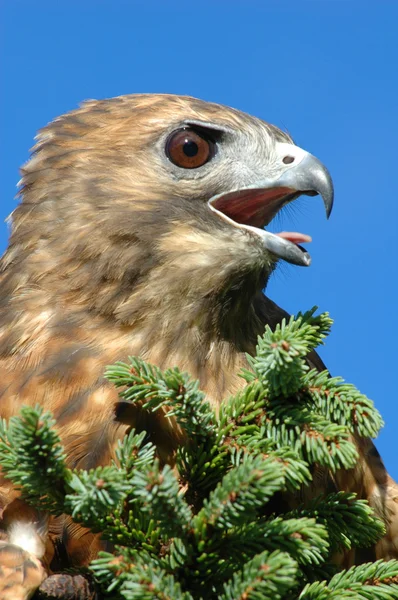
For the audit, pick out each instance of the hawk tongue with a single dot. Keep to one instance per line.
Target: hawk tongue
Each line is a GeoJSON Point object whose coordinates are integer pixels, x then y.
{"type": "Point", "coordinates": [294, 236]}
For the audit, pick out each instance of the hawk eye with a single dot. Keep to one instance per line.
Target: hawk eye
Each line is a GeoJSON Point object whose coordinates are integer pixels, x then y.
{"type": "Point", "coordinates": [189, 149]}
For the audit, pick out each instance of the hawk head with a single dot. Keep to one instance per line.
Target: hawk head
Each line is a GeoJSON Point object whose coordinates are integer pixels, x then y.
{"type": "Point", "coordinates": [154, 208]}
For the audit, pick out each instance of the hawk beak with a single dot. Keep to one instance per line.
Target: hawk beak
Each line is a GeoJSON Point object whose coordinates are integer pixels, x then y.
{"type": "Point", "coordinates": [252, 208]}
{"type": "Point", "coordinates": [308, 176]}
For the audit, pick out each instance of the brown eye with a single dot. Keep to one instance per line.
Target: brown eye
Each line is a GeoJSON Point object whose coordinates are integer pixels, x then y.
{"type": "Point", "coordinates": [189, 149]}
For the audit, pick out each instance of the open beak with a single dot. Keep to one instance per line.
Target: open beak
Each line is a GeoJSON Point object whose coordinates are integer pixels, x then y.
{"type": "Point", "coordinates": [252, 208]}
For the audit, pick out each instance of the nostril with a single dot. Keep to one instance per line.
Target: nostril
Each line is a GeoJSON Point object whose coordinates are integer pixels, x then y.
{"type": "Point", "coordinates": [288, 160]}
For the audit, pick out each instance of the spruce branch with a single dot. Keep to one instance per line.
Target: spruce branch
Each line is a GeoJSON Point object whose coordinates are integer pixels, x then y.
{"type": "Point", "coordinates": [341, 402]}
{"type": "Point", "coordinates": [321, 325]}
{"type": "Point", "coordinates": [295, 470]}
{"type": "Point", "coordinates": [156, 389]}
{"type": "Point", "coordinates": [131, 453]}
{"type": "Point", "coordinates": [349, 521]}
{"type": "Point", "coordinates": [304, 539]}
{"type": "Point", "coordinates": [266, 577]}
{"type": "Point", "coordinates": [280, 354]}
{"type": "Point", "coordinates": [370, 581]}
{"type": "Point", "coordinates": [159, 495]}
{"type": "Point", "coordinates": [201, 459]}
{"type": "Point", "coordinates": [31, 456]}
{"type": "Point", "coordinates": [201, 467]}
{"type": "Point", "coordinates": [132, 575]}
{"type": "Point", "coordinates": [95, 493]}
{"type": "Point", "coordinates": [245, 408]}
{"type": "Point", "coordinates": [382, 575]}
{"type": "Point", "coordinates": [133, 528]}
{"type": "Point", "coordinates": [241, 493]}
{"type": "Point", "coordinates": [315, 439]}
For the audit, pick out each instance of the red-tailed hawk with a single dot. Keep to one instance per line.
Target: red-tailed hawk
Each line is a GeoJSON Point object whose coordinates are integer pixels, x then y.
{"type": "Point", "coordinates": [141, 232]}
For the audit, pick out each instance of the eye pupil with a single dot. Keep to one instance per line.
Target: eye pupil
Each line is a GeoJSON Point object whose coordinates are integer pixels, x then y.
{"type": "Point", "coordinates": [190, 148]}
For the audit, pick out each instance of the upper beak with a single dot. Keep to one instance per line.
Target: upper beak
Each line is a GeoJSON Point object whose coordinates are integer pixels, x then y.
{"type": "Point", "coordinates": [306, 175]}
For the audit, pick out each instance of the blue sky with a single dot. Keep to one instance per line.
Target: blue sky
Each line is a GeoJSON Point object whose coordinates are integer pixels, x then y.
{"type": "Point", "coordinates": [324, 70]}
